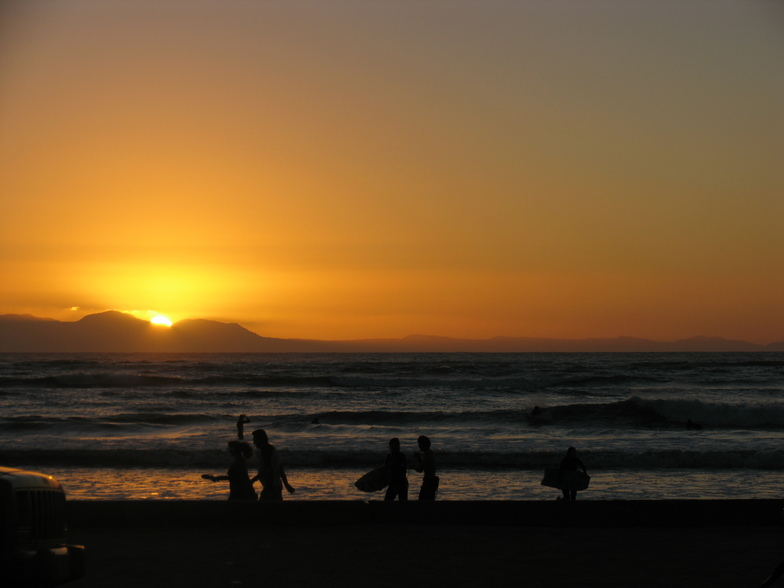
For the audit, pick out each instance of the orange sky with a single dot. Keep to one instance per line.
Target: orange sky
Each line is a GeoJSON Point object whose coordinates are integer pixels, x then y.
{"type": "Point", "coordinates": [357, 169]}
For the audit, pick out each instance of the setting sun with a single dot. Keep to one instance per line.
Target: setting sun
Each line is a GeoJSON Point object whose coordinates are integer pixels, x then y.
{"type": "Point", "coordinates": [515, 169]}
{"type": "Point", "coordinates": [161, 320]}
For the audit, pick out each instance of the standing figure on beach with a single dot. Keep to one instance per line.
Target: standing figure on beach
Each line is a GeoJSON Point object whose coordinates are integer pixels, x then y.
{"type": "Point", "coordinates": [240, 486]}
{"type": "Point", "coordinates": [271, 473]}
{"type": "Point", "coordinates": [426, 462]}
{"type": "Point", "coordinates": [396, 464]}
{"type": "Point", "coordinates": [570, 463]}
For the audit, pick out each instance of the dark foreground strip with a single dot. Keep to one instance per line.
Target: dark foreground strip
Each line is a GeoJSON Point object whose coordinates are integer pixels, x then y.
{"type": "Point", "coordinates": [586, 513]}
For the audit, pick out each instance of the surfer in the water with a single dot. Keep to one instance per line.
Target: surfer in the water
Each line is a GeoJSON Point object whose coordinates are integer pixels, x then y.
{"type": "Point", "coordinates": [427, 464]}
{"type": "Point", "coordinates": [571, 462]}
{"type": "Point", "coordinates": [396, 464]}
{"type": "Point", "coordinates": [271, 472]}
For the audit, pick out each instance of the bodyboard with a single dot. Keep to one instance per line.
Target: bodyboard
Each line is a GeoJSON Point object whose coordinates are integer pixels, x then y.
{"type": "Point", "coordinates": [572, 479]}
{"type": "Point", "coordinates": [374, 480]}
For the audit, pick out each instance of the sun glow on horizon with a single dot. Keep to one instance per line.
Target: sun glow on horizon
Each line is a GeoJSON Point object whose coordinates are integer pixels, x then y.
{"type": "Point", "coordinates": [519, 169]}
{"type": "Point", "coordinates": [161, 320]}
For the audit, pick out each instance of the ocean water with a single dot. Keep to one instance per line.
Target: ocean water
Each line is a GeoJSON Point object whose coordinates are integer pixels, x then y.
{"type": "Point", "coordinates": [146, 426]}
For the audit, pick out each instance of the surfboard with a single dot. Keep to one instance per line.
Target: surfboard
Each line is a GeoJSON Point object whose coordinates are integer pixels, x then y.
{"type": "Point", "coordinates": [572, 479]}
{"type": "Point", "coordinates": [374, 480]}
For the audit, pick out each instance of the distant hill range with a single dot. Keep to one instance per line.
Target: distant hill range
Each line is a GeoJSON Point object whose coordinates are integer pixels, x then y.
{"type": "Point", "coordinates": [118, 332]}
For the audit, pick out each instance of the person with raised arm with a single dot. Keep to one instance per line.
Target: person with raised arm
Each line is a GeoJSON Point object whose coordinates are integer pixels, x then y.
{"type": "Point", "coordinates": [241, 422]}
{"type": "Point", "coordinates": [240, 486]}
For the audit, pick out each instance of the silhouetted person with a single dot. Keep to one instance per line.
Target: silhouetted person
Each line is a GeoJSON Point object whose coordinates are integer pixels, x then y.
{"type": "Point", "coordinates": [240, 486]}
{"type": "Point", "coordinates": [241, 421]}
{"type": "Point", "coordinates": [271, 472]}
{"type": "Point", "coordinates": [396, 464]}
{"type": "Point", "coordinates": [535, 416]}
{"type": "Point", "coordinates": [570, 462]}
{"type": "Point", "coordinates": [426, 462]}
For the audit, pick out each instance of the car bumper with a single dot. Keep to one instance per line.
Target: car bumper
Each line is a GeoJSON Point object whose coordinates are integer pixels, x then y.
{"type": "Point", "coordinates": [43, 567]}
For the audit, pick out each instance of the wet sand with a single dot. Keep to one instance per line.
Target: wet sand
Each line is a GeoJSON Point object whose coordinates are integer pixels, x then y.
{"type": "Point", "coordinates": [646, 543]}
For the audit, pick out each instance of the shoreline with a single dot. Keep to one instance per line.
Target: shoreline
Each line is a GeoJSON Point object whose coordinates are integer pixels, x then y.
{"type": "Point", "coordinates": [331, 484]}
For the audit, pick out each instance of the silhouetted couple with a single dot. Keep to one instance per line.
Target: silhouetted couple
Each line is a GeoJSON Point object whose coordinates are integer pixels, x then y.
{"type": "Point", "coordinates": [271, 473]}
{"type": "Point", "coordinates": [397, 465]}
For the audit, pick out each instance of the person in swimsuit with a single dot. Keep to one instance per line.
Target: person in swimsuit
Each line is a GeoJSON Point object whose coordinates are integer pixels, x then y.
{"type": "Point", "coordinates": [271, 474]}
{"type": "Point", "coordinates": [240, 486]}
{"type": "Point", "coordinates": [427, 464]}
{"type": "Point", "coordinates": [570, 462]}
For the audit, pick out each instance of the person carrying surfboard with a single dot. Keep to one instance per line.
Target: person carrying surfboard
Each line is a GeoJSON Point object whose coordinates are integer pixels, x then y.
{"type": "Point", "coordinates": [396, 464]}
{"type": "Point", "coordinates": [427, 464]}
{"type": "Point", "coordinates": [570, 463]}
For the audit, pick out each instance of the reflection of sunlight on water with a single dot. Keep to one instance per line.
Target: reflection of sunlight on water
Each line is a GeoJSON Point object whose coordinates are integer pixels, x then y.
{"type": "Point", "coordinates": [464, 484]}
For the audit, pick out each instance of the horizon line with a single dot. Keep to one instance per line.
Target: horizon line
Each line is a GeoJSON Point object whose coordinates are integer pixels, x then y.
{"type": "Point", "coordinates": [410, 335]}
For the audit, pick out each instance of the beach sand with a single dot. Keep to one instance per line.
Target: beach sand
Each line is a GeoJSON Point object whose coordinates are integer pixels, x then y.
{"type": "Point", "coordinates": [193, 544]}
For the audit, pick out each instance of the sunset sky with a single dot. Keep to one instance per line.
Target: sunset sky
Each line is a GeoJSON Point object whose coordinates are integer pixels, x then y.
{"type": "Point", "coordinates": [361, 168]}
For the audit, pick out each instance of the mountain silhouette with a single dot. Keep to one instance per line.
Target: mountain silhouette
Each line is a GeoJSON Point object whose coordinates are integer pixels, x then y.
{"type": "Point", "coordinates": [117, 332]}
